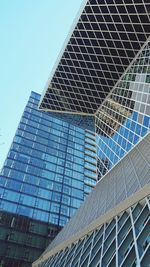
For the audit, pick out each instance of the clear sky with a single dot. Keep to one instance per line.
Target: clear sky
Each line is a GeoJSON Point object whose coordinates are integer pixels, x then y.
{"type": "Point", "coordinates": [32, 33]}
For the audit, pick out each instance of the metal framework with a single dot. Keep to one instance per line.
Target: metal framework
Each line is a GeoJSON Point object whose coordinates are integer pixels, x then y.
{"type": "Point", "coordinates": [104, 72]}
{"type": "Point", "coordinates": [118, 209]}
{"type": "Point", "coordinates": [107, 37]}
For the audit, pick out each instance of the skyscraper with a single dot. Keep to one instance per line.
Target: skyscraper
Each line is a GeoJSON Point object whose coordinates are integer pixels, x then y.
{"type": "Point", "coordinates": [49, 170]}
{"type": "Point", "coordinates": [104, 72]}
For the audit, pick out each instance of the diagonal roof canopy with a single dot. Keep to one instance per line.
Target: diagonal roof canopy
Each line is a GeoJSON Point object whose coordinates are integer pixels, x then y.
{"type": "Point", "coordinates": [121, 183]}
{"type": "Point", "coordinates": [106, 38]}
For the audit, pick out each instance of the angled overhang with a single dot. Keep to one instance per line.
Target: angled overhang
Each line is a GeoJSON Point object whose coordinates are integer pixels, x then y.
{"type": "Point", "coordinates": [106, 38]}
{"type": "Point", "coordinates": [127, 183]}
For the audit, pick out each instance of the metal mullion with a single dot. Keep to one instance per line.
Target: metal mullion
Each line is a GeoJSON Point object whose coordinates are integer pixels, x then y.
{"type": "Point", "coordinates": [49, 102]}
{"type": "Point", "coordinates": [90, 62]}
{"type": "Point", "coordinates": [99, 169]}
{"type": "Point", "coordinates": [82, 98]}
{"type": "Point", "coordinates": [86, 38]}
{"type": "Point", "coordinates": [70, 253]}
{"type": "Point", "coordinates": [91, 247]}
{"type": "Point", "coordinates": [76, 94]}
{"type": "Point", "coordinates": [87, 89]}
{"type": "Point", "coordinates": [64, 71]}
{"type": "Point", "coordinates": [109, 150]}
{"type": "Point", "coordinates": [116, 30]}
{"type": "Point", "coordinates": [85, 238]}
{"type": "Point", "coordinates": [74, 254]}
{"type": "Point", "coordinates": [135, 23]}
{"type": "Point", "coordinates": [99, 55]}
{"type": "Point", "coordinates": [125, 89]}
{"type": "Point", "coordinates": [118, 33]}
{"type": "Point", "coordinates": [81, 30]}
{"type": "Point", "coordinates": [49, 261]}
{"type": "Point", "coordinates": [64, 264]}
{"type": "Point", "coordinates": [86, 69]}
{"type": "Point", "coordinates": [141, 24]}
{"type": "Point", "coordinates": [97, 61]}
{"type": "Point", "coordinates": [126, 71]}
{"type": "Point", "coordinates": [117, 4]}
{"type": "Point", "coordinates": [113, 129]}
{"type": "Point", "coordinates": [130, 121]}
{"type": "Point", "coordinates": [59, 103]}
{"type": "Point", "coordinates": [94, 47]}
{"type": "Point", "coordinates": [84, 13]}
{"type": "Point", "coordinates": [83, 88]}
{"type": "Point", "coordinates": [134, 237]}
{"type": "Point", "coordinates": [139, 18]}
{"type": "Point", "coordinates": [126, 128]}
{"type": "Point", "coordinates": [58, 258]}
{"type": "Point", "coordinates": [147, 202]}
{"type": "Point", "coordinates": [100, 263]}
{"type": "Point", "coordinates": [106, 43]}
{"type": "Point", "coordinates": [116, 142]}
{"type": "Point", "coordinates": [70, 79]}
{"type": "Point", "coordinates": [54, 260]}
{"type": "Point", "coordinates": [69, 98]}
{"type": "Point", "coordinates": [117, 243]}
{"type": "Point", "coordinates": [105, 155]}
{"type": "Point", "coordinates": [132, 25]}
{"type": "Point", "coordinates": [101, 51]}
{"type": "Point", "coordinates": [87, 75]}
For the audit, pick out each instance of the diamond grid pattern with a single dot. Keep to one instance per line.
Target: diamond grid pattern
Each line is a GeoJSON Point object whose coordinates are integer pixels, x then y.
{"type": "Point", "coordinates": [131, 175]}
{"type": "Point", "coordinates": [111, 244]}
{"type": "Point", "coordinates": [106, 38]}
{"type": "Point", "coordinates": [124, 116]}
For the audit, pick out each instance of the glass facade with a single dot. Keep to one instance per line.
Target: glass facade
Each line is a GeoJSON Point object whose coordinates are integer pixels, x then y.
{"type": "Point", "coordinates": [122, 123]}
{"type": "Point", "coordinates": [106, 38]}
{"type": "Point", "coordinates": [50, 168]}
{"type": "Point", "coordinates": [124, 117]}
{"type": "Point", "coordinates": [103, 78]}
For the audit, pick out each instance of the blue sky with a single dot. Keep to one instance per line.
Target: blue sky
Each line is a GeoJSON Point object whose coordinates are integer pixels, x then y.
{"type": "Point", "coordinates": [32, 33]}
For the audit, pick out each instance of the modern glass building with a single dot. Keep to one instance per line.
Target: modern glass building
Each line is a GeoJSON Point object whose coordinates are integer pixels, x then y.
{"type": "Point", "coordinates": [116, 229]}
{"type": "Point", "coordinates": [104, 72]}
{"type": "Point", "coordinates": [49, 170]}
{"type": "Point", "coordinates": [124, 117]}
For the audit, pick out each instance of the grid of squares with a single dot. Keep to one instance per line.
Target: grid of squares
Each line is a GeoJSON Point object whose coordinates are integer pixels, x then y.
{"type": "Point", "coordinates": [122, 241]}
{"type": "Point", "coordinates": [106, 38]}
{"type": "Point", "coordinates": [49, 169]}
{"type": "Point", "coordinates": [124, 116]}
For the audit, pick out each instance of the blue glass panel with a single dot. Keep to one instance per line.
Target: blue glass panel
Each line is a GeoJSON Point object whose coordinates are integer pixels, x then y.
{"type": "Point", "coordinates": [26, 211]}
{"type": "Point", "coordinates": [12, 196]}
{"type": "Point", "coordinates": [77, 193]}
{"type": "Point", "coordinates": [44, 193]}
{"type": "Point", "coordinates": [29, 189]}
{"type": "Point", "coordinates": [2, 181]}
{"type": "Point", "coordinates": [13, 185]}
